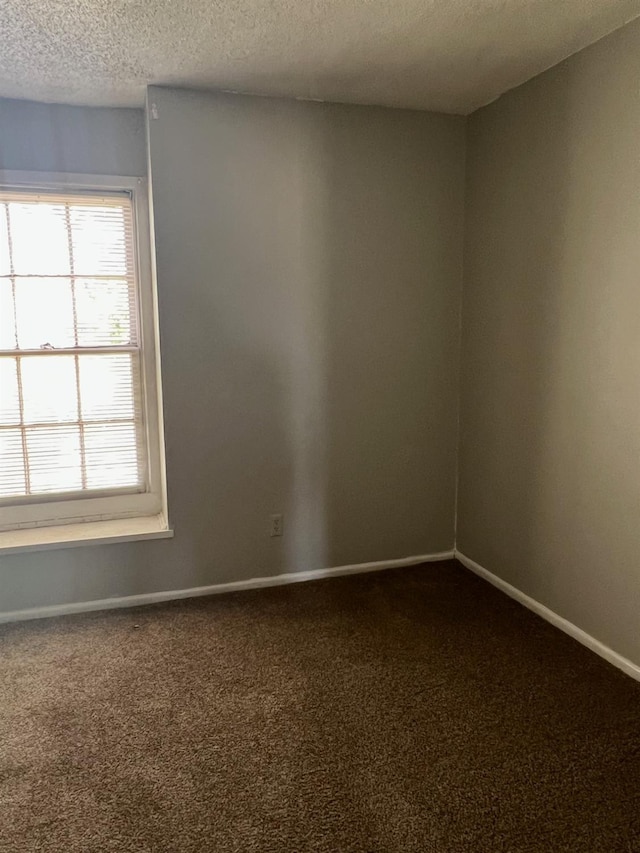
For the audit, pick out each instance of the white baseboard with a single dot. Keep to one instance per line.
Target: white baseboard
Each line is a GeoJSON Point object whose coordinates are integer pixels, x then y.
{"type": "Point", "coordinates": [560, 622]}
{"type": "Point", "coordinates": [215, 589]}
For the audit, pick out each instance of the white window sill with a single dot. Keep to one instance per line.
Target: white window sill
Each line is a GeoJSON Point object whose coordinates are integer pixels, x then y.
{"type": "Point", "coordinates": [87, 533]}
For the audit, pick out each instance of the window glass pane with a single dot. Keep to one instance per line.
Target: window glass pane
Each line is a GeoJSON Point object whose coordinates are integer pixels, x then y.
{"type": "Point", "coordinates": [49, 389]}
{"type": "Point", "coordinates": [67, 279]}
{"type": "Point", "coordinates": [39, 241]}
{"type": "Point", "coordinates": [54, 459]}
{"type": "Point", "coordinates": [5, 264]}
{"type": "Point", "coordinates": [99, 240]}
{"type": "Point", "coordinates": [9, 401]}
{"type": "Point", "coordinates": [7, 324]}
{"type": "Point", "coordinates": [106, 386]}
{"type": "Point", "coordinates": [105, 312]}
{"type": "Point", "coordinates": [44, 310]}
{"type": "Point", "coordinates": [12, 481]}
{"type": "Point", "coordinates": [111, 455]}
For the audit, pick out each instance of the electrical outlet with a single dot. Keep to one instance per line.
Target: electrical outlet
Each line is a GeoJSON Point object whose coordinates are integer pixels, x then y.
{"type": "Point", "coordinates": [276, 524]}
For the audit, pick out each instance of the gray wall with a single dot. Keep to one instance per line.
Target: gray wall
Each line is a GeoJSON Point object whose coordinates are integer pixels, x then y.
{"type": "Point", "coordinates": [85, 140]}
{"type": "Point", "coordinates": [309, 274]}
{"type": "Point", "coordinates": [549, 493]}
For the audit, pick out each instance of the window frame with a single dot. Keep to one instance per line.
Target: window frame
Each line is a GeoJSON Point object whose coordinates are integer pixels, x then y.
{"type": "Point", "coordinates": [28, 512]}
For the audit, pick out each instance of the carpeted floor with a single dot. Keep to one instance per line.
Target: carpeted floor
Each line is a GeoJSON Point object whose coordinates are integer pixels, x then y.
{"type": "Point", "coordinates": [410, 710]}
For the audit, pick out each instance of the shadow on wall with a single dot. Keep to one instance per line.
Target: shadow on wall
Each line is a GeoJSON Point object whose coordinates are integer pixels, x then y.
{"type": "Point", "coordinates": [514, 254]}
{"type": "Point", "coordinates": [549, 483]}
{"type": "Point", "coordinates": [319, 248]}
{"type": "Point", "coordinates": [391, 186]}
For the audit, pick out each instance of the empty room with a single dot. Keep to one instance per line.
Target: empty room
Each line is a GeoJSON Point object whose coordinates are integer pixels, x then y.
{"type": "Point", "coordinates": [320, 426]}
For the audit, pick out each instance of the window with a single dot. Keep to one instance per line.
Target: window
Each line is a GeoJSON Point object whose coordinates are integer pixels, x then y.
{"type": "Point", "coordinates": [79, 429]}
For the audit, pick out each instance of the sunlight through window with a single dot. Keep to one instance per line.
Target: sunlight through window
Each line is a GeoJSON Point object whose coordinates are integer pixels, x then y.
{"type": "Point", "coordinates": [71, 388]}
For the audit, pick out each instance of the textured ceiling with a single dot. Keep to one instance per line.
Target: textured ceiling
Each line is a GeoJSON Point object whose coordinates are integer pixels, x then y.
{"type": "Point", "coordinates": [449, 55]}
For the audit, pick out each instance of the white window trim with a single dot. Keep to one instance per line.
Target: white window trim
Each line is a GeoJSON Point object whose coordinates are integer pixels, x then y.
{"type": "Point", "coordinates": [62, 521]}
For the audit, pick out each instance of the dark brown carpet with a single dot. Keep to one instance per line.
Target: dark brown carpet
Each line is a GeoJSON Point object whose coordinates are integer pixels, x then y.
{"type": "Point", "coordinates": [411, 710]}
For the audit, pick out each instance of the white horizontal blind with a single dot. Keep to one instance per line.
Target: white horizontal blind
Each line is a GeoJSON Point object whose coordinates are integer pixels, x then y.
{"type": "Point", "coordinates": [71, 411]}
